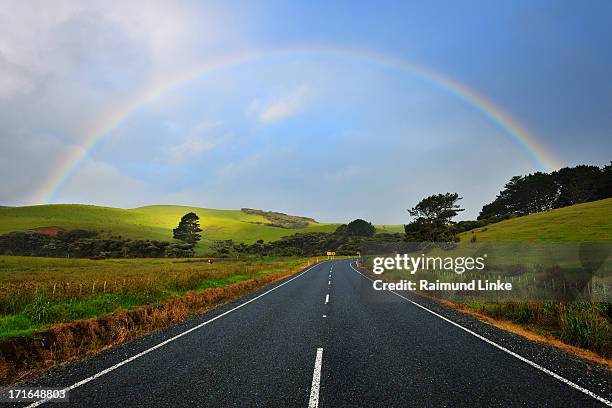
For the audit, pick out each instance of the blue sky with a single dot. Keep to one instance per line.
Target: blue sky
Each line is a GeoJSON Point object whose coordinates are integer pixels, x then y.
{"type": "Point", "coordinates": [320, 134]}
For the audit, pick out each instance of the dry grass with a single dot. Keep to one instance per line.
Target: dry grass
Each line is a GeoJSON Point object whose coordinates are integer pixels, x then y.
{"type": "Point", "coordinates": [36, 292]}
{"type": "Point", "coordinates": [60, 343]}
{"type": "Point", "coordinates": [524, 331]}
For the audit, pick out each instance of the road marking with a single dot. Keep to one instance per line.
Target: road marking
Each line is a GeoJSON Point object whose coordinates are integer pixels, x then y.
{"type": "Point", "coordinates": [324, 316]}
{"type": "Point", "coordinates": [327, 298]}
{"type": "Point", "coordinates": [163, 343]}
{"type": "Point", "coordinates": [329, 282]}
{"type": "Point", "coordinates": [316, 380]}
{"type": "Point", "coordinates": [502, 348]}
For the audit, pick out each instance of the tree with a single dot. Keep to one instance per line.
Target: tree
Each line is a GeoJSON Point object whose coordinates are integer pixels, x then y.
{"type": "Point", "coordinates": [577, 184]}
{"type": "Point", "coordinates": [342, 230]}
{"type": "Point", "coordinates": [539, 191]}
{"type": "Point", "coordinates": [433, 218]}
{"type": "Point", "coordinates": [604, 187]}
{"type": "Point", "coordinates": [360, 228]}
{"type": "Point", "coordinates": [438, 207]}
{"type": "Point", "coordinates": [188, 229]}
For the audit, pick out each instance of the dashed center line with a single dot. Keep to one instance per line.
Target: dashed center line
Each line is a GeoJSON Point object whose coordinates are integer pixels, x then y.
{"type": "Point", "coordinates": [327, 298]}
{"type": "Point", "coordinates": [316, 380]}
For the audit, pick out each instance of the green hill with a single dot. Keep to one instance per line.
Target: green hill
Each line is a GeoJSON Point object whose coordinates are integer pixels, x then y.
{"type": "Point", "coordinates": [587, 222]}
{"type": "Point", "coordinates": [151, 222]}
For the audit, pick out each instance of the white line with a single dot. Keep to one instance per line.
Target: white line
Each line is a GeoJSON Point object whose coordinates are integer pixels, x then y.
{"type": "Point", "coordinates": [327, 298]}
{"type": "Point", "coordinates": [502, 348]}
{"type": "Point", "coordinates": [316, 380]}
{"type": "Point", "coordinates": [324, 316]}
{"type": "Point", "coordinates": [163, 343]}
{"type": "Point", "coordinates": [329, 282]}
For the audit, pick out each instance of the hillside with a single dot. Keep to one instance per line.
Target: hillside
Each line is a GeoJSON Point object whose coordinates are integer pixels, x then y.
{"type": "Point", "coordinates": [587, 222]}
{"type": "Point", "coordinates": [151, 222]}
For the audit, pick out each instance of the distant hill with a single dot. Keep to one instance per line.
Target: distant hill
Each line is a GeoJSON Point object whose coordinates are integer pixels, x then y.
{"type": "Point", "coordinates": [154, 222]}
{"type": "Point", "coordinates": [586, 222]}
{"type": "Point", "coordinates": [282, 220]}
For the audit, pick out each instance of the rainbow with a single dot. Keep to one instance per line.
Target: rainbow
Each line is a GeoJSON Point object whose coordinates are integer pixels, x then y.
{"type": "Point", "coordinates": [510, 127]}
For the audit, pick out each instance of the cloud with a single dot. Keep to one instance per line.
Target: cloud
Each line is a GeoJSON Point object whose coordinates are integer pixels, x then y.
{"type": "Point", "coordinates": [237, 168]}
{"type": "Point", "coordinates": [58, 40]}
{"type": "Point", "coordinates": [280, 107]}
{"type": "Point", "coordinates": [199, 140]}
{"type": "Point", "coordinates": [13, 79]}
{"type": "Point", "coordinates": [345, 174]}
{"type": "Point", "coordinates": [100, 183]}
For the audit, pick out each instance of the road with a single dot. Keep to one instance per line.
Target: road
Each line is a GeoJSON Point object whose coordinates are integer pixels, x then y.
{"type": "Point", "coordinates": [325, 338]}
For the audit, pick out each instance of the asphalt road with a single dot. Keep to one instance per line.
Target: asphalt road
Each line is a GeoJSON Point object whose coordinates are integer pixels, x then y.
{"type": "Point", "coordinates": [325, 337]}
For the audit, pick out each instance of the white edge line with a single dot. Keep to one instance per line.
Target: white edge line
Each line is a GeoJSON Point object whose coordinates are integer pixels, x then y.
{"type": "Point", "coordinates": [502, 348]}
{"type": "Point", "coordinates": [163, 343]}
{"type": "Point", "coordinates": [313, 402]}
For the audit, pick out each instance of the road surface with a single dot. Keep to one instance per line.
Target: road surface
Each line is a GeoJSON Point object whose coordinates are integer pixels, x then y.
{"type": "Point", "coordinates": [325, 338]}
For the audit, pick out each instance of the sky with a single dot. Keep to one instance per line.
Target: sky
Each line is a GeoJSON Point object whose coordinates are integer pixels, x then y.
{"type": "Point", "coordinates": [333, 110]}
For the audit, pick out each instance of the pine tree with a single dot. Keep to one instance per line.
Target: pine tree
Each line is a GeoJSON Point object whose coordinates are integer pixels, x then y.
{"type": "Point", "coordinates": [188, 229]}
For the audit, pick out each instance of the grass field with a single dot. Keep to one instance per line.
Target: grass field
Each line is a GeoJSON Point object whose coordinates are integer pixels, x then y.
{"type": "Point", "coordinates": [585, 324]}
{"type": "Point", "coordinates": [35, 292]}
{"type": "Point", "coordinates": [588, 222]}
{"type": "Point", "coordinates": [152, 222]}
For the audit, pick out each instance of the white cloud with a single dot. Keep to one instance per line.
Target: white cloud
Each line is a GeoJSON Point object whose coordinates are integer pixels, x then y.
{"type": "Point", "coordinates": [345, 174]}
{"type": "Point", "coordinates": [280, 107]}
{"type": "Point", "coordinates": [101, 183]}
{"type": "Point", "coordinates": [13, 79]}
{"type": "Point", "coordinates": [39, 41]}
{"type": "Point", "coordinates": [235, 168]}
{"type": "Point", "coordinates": [199, 141]}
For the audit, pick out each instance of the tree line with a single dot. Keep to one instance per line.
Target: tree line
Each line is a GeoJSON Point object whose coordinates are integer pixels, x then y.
{"type": "Point", "coordinates": [88, 244]}
{"type": "Point", "coordinates": [347, 239]}
{"type": "Point", "coordinates": [522, 195]}
{"type": "Point", "coordinates": [539, 191]}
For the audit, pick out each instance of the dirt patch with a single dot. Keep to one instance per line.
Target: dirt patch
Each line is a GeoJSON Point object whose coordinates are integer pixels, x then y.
{"type": "Point", "coordinates": [51, 231]}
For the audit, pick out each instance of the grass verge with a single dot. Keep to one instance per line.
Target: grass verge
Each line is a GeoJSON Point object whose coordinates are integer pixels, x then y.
{"type": "Point", "coordinates": [48, 331]}
{"type": "Point", "coordinates": [583, 328]}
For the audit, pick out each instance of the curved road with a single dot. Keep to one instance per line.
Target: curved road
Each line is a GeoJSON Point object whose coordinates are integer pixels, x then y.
{"type": "Point", "coordinates": [325, 338]}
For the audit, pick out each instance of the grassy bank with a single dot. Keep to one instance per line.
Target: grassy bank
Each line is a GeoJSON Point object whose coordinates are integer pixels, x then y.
{"type": "Point", "coordinates": [44, 327]}
{"type": "Point", "coordinates": [587, 222]}
{"type": "Point", "coordinates": [584, 324]}
{"type": "Point", "coordinates": [38, 292]}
